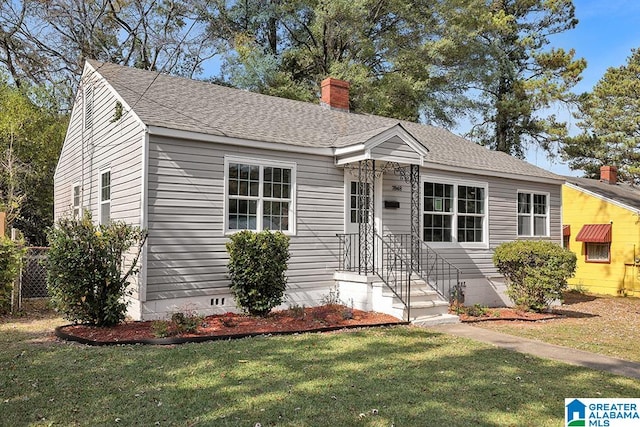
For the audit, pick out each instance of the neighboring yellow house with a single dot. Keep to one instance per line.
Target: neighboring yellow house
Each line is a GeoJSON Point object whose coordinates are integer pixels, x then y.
{"type": "Point", "coordinates": [601, 225]}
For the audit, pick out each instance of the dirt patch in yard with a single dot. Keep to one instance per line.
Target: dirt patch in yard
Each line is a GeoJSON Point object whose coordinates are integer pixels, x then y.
{"type": "Point", "coordinates": [575, 306]}
{"type": "Point", "coordinates": [507, 314]}
{"type": "Point", "coordinates": [229, 325]}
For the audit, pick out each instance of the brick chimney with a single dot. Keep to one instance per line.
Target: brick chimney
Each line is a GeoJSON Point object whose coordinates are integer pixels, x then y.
{"type": "Point", "coordinates": [609, 174]}
{"type": "Point", "coordinates": [335, 94]}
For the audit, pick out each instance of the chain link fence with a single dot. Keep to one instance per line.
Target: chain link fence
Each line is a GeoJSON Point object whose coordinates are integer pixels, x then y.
{"type": "Point", "coordinates": [32, 283]}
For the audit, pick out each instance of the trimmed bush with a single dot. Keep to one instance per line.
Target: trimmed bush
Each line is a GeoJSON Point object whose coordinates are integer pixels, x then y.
{"type": "Point", "coordinates": [86, 275]}
{"type": "Point", "coordinates": [536, 271]}
{"type": "Point", "coordinates": [11, 254]}
{"type": "Point", "coordinates": [257, 267]}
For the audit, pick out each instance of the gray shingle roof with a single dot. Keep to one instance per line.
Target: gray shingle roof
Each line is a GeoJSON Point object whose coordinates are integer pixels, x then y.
{"type": "Point", "coordinates": [620, 192]}
{"type": "Point", "coordinates": [183, 104]}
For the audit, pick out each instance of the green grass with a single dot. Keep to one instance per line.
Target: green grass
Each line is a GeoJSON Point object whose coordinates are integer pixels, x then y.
{"type": "Point", "coordinates": [411, 376]}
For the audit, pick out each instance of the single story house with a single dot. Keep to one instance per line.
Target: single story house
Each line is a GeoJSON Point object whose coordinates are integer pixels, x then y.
{"type": "Point", "coordinates": [397, 215]}
{"type": "Point", "coordinates": [602, 226]}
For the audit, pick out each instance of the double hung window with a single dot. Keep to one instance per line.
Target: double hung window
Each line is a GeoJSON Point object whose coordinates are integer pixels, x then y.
{"type": "Point", "coordinates": [454, 212]}
{"type": "Point", "coordinates": [76, 199]}
{"type": "Point", "coordinates": [259, 195]}
{"type": "Point", "coordinates": [105, 197]}
{"type": "Point", "coordinates": [533, 214]}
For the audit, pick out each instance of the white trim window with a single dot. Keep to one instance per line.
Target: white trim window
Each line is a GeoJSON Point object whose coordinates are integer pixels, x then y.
{"type": "Point", "coordinates": [76, 200]}
{"type": "Point", "coordinates": [454, 212]}
{"type": "Point", "coordinates": [533, 214]}
{"type": "Point", "coordinates": [259, 195]}
{"type": "Point", "coordinates": [105, 196]}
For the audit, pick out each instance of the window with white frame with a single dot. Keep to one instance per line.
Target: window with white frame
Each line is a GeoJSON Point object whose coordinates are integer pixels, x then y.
{"type": "Point", "coordinates": [533, 214]}
{"type": "Point", "coordinates": [454, 212]}
{"type": "Point", "coordinates": [105, 197]}
{"type": "Point", "coordinates": [76, 198]}
{"type": "Point", "coordinates": [259, 195]}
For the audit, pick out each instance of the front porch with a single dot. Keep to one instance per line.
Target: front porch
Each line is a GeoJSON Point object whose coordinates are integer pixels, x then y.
{"type": "Point", "coordinates": [420, 294]}
{"type": "Point", "coordinates": [384, 264]}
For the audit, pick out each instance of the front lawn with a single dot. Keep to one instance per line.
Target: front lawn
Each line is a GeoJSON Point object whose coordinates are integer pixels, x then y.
{"type": "Point", "coordinates": [409, 376]}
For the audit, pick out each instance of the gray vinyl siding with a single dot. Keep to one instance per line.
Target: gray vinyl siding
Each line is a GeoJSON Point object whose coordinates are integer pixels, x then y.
{"type": "Point", "coordinates": [395, 150]}
{"type": "Point", "coordinates": [503, 220]}
{"type": "Point", "coordinates": [87, 152]}
{"type": "Point", "coordinates": [187, 255]}
{"type": "Point", "coordinates": [396, 221]}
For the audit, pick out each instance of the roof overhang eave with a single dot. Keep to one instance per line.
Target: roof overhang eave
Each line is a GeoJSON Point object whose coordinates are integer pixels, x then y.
{"type": "Point", "coordinates": [227, 140]}
{"type": "Point", "coordinates": [603, 198]}
{"type": "Point", "coordinates": [498, 174]}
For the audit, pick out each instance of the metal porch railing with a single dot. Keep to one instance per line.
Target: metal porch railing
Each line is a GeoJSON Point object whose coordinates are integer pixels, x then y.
{"type": "Point", "coordinates": [389, 265]}
{"type": "Point", "coordinates": [437, 272]}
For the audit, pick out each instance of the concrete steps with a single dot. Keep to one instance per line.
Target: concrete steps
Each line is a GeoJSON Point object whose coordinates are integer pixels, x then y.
{"type": "Point", "coordinates": [426, 306]}
{"type": "Point", "coordinates": [371, 294]}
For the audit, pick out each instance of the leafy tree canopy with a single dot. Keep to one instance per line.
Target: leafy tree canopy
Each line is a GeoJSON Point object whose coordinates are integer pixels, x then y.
{"type": "Point", "coordinates": [31, 136]}
{"type": "Point", "coordinates": [287, 48]}
{"type": "Point", "coordinates": [501, 48]}
{"type": "Point", "coordinates": [610, 120]}
{"type": "Point", "coordinates": [48, 42]}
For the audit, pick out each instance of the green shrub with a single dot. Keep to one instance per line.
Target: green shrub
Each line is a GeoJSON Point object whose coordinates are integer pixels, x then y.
{"type": "Point", "coordinates": [536, 271]}
{"type": "Point", "coordinates": [11, 254]}
{"type": "Point", "coordinates": [86, 276]}
{"type": "Point", "coordinates": [257, 267]}
{"type": "Point", "coordinates": [476, 310]}
{"type": "Point", "coordinates": [185, 322]}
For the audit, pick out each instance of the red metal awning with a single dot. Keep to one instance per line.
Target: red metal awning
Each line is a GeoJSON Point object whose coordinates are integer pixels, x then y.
{"type": "Point", "coordinates": [595, 233]}
{"type": "Point", "coordinates": [566, 230]}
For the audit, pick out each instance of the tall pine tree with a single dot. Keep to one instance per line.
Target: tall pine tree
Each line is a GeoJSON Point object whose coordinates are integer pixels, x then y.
{"type": "Point", "coordinates": [501, 49]}
{"type": "Point", "coordinates": [610, 120]}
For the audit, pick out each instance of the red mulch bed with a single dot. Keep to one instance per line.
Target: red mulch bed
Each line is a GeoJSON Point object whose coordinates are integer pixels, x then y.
{"type": "Point", "coordinates": [230, 325]}
{"type": "Point", "coordinates": [509, 314]}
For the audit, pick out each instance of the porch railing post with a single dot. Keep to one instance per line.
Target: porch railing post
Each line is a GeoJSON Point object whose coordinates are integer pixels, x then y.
{"type": "Point", "coordinates": [414, 180]}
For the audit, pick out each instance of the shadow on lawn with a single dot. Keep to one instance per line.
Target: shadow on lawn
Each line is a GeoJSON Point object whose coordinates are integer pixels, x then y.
{"type": "Point", "coordinates": [573, 297]}
{"type": "Point", "coordinates": [574, 314]}
{"type": "Point", "coordinates": [409, 375]}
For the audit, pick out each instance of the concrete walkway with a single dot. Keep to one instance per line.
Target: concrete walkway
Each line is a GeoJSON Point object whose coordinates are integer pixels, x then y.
{"type": "Point", "coordinates": [540, 349]}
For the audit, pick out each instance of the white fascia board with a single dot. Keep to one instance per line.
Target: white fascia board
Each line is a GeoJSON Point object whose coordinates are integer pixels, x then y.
{"type": "Point", "coordinates": [87, 75]}
{"type": "Point", "coordinates": [351, 159]}
{"type": "Point", "coordinates": [603, 198]}
{"type": "Point", "coordinates": [197, 136]}
{"type": "Point", "coordinates": [482, 172]}
{"type": "Point", "coordinates": [348, 150]}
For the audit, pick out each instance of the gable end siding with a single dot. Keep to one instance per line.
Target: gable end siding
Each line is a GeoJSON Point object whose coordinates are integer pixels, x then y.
{"type": "Point", "coordinates": [104, 145]}
{"type": "Point", "coordinates": [395, 150]}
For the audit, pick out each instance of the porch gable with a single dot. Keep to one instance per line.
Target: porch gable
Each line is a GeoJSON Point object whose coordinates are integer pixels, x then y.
{"type": "Point", "coordinates": [391, 144]}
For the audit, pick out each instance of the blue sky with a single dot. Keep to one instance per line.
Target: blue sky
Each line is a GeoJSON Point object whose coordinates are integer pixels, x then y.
{"type": "Point", "coordinates": [605, 35]}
